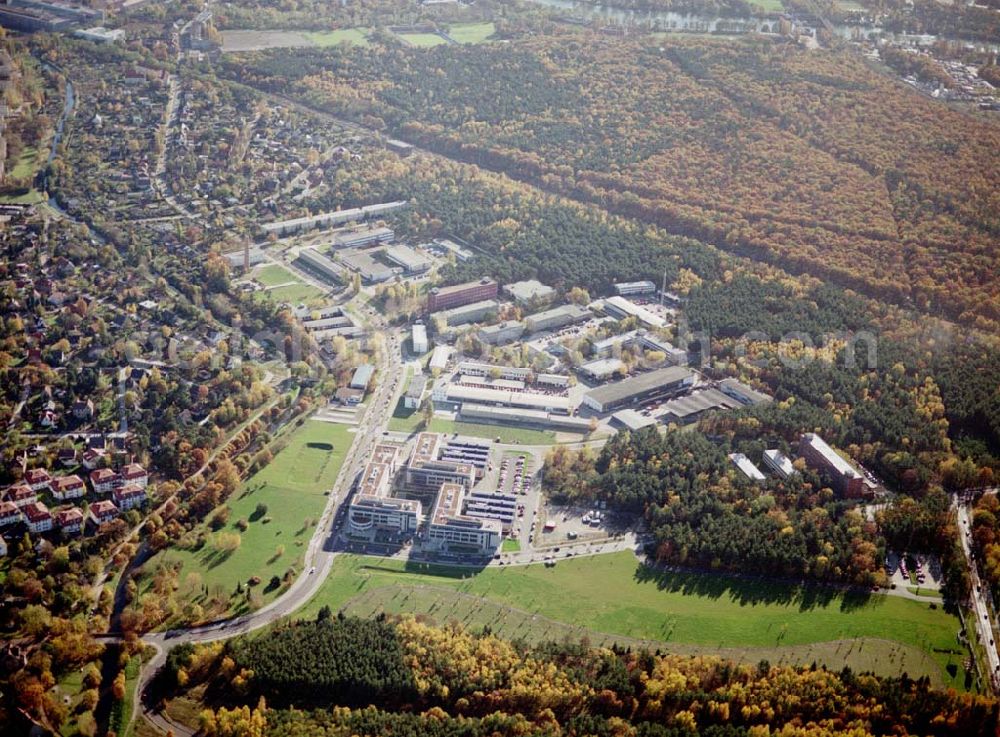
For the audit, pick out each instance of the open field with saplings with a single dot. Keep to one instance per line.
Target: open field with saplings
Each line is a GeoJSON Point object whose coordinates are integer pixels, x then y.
{"type": "Point", "coordinates": [422, 40]}
{"type": "Point", "coordinates": [357, 36]}
{"type": "Point", "coordinates": [262, 530]}
{"type": "Point", "coordinates": [615, 598]}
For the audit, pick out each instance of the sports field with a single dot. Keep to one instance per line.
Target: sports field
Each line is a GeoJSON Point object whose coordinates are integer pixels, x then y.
{"type": "Point", "coordinates": [298, 292]}
{"type": "Point", "coordinates": [272, 275]}
{"type": "Point", "coordinates": [357, 36]}
{"type": "Point", "coordinates": [614, 598]}
{"type": "Point", "coordinates": [294, 489]}
{"type": "Point", "coordinates": [471, 33]}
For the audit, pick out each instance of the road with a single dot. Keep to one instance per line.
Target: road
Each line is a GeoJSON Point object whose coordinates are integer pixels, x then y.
{"type": "Point", "coordinates": [983, 625]}
{"type": "Point", "coordinates": [320, 553]}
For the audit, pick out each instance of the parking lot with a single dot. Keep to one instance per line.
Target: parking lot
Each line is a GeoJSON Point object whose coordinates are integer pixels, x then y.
{"type": "Point", "coordinates": [923, 571]}
{"type": "Point", "coordinates": [578, 523]}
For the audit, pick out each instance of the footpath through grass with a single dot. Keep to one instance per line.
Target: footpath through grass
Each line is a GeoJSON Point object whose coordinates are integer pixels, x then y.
{"type": "Point", "coordinates": [293, 488]}
{"type": "Point", "coordinates": [613, 595]}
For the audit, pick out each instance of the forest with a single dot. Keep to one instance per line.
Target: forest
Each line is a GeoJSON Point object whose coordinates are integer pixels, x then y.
{"type": "Point", "coordinates": [474, 684]}
{"type": "Point", "coordinates": [885, 192]}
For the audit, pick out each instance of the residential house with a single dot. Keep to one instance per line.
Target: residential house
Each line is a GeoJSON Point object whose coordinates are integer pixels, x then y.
{"type": "Point", "coordinates": [129, 496]}
{"type": "Point", "coordinates": [68, 487]}
{"type": "Point", "coordinates": [70, 521]}
{"type": "Point", "coordinates": [92, 457]}
{"type": "Point", "coordinates": [10, 514]}
{"type": "Point", "coordinates": [37, 479]}
{"type": "Point", "coordinates": [103, 480]}
{"type": "Point", "coordinates": [134, 474]}
{"type": "Point", "coordinates": [38, 517]}
{"type": "Point", "coordinates": [67, 457]}
{"type": "Point", "coordinates": [22, 495]}
{"type": "Point", "coordinates": [103, 511]}
{"type": "Point", "coordinates": [83, 409]}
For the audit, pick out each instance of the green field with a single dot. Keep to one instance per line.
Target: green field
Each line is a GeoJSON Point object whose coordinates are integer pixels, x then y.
{"type": "Point", "coordinates": [294, 487]}
{"type": "Point", "coordinates": [358, 36]}
{"type": "Point", "coordinates": [769, 5]}
{"type": "Point", "coordinates": [422, 40]}
{"type": "Point", "coordinates": [294, 293]}
{"type": "Point", "coordinates": [272, 275]}
{"type": "Point", "coordinates": [614, 598]}
{"type": "Point", "coordinates": [472, 33]}
{"type": "Point", "coordinates": [31, 197]}
{"type": "Point", "coordinates": [404, 420]}
{"type": "Point", "coordinates": [510, 546]}
{"type": "Point", "coordinates": [26, 165]}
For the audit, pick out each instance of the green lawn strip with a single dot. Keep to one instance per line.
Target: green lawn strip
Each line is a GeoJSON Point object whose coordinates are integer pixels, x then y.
{"type": "Point", "coordinates": [769, 5]}
{"type": "Point", "coordinates": [405, 420]}
{"type": "Point", "coordinates": [293, 487]}
{"type": "Point", "coordinates": [357, 36]}
{"type": "Point", "coordinates": [121, 711]}
{"type": "Point", "coordinates": [70, 686]}
{"type": "Point", "coordinates": [31, 197]}
{"type": "Point", "coordinates": [471, 33]}
{"type": "Point", "coordinates": [615, 595]}
{"type": "Point", "coordinates": [924, 592]}
{"type": "Point", "coordinates": [422, 40]}
{"type": "Point", "coordinates": [510, 546]}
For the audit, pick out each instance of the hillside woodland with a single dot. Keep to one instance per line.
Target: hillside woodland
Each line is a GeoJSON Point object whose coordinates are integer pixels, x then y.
{"type": "Point", "coordinates": [446, 681]}
{"type": "Point", "coordinates": [812, 161]}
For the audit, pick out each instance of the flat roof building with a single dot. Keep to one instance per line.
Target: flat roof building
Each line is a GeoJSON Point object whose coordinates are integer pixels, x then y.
{"type": "Point", "coordinates": [411, 261]}
{"type": "Point", "coordinates": [474, 312]}
{"type": "Point", "coordinates": [373, 510]}
{"type": "Point", "coordinates": [443, 298]}
{"type": "Point", "coordinates": [845, 478]}
{"type": "Point", "coordinates": [294, 225]}
{"type": "Point", "coordinates": [602, 369]}
{"type": "Point", "coordinates": [370, 270]}
{"type": "Point", "coordinates": [645, 387]}
{"type": "Point", "coordinates": [501, 333]}
{"type": "Point", "coordinates": [779, 463]}
{"type": "Point", "coordinates": [530, 290]}
{"type": "Point", "coordinates": [418, 338]}
{"type": "Point", "coordinates": [425, 470]}
{"type": "Point", "coordinates": [362, 238]}
{"type": "Point", "coordinates": [631, 420]}
{"type": "Point", "coordinates": [414, 392]}
{"type": "Point", "coordinates": [101, 35]}
{"type": "Point", "coordinates": [362, 376]}
{"type": "Point", "coordinates": [451, 530]}
{"type": "Point", "coordinates": [461, 393]}
{"type": "Point", "coordinates": [747, 468]}
{"type": "Point", "coordinates": [557, 317]}
{"type": "Point", "coordinates": [318, 264]}
{"type": "Point", "coordinates": [685, 410]}
{"type": "Point", "coordinates": [742, 393]}
{"type": "Point", "coordinates": [439, 358]}
{"type": "Point", "coordinates": [621, 308]}
{"type": "Point", "coordinates": [625, 289]}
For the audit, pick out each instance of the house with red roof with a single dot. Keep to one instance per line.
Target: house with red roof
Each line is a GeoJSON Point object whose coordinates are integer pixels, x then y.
{"type": "Point", "coordinates": [38, 517]}
{"type": "Point", "coordinates": [38, 479]}
{"type": "Point", "coordinates": [103, 480]}
{"type": "Point", "coordinates": [103, 511]}
{"type": "Point", "coordinates": [68, 487]}
{"type": "Point", "coordinates": [70, 521]}
{"type": "Point", "coordinates": [129, 496]}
